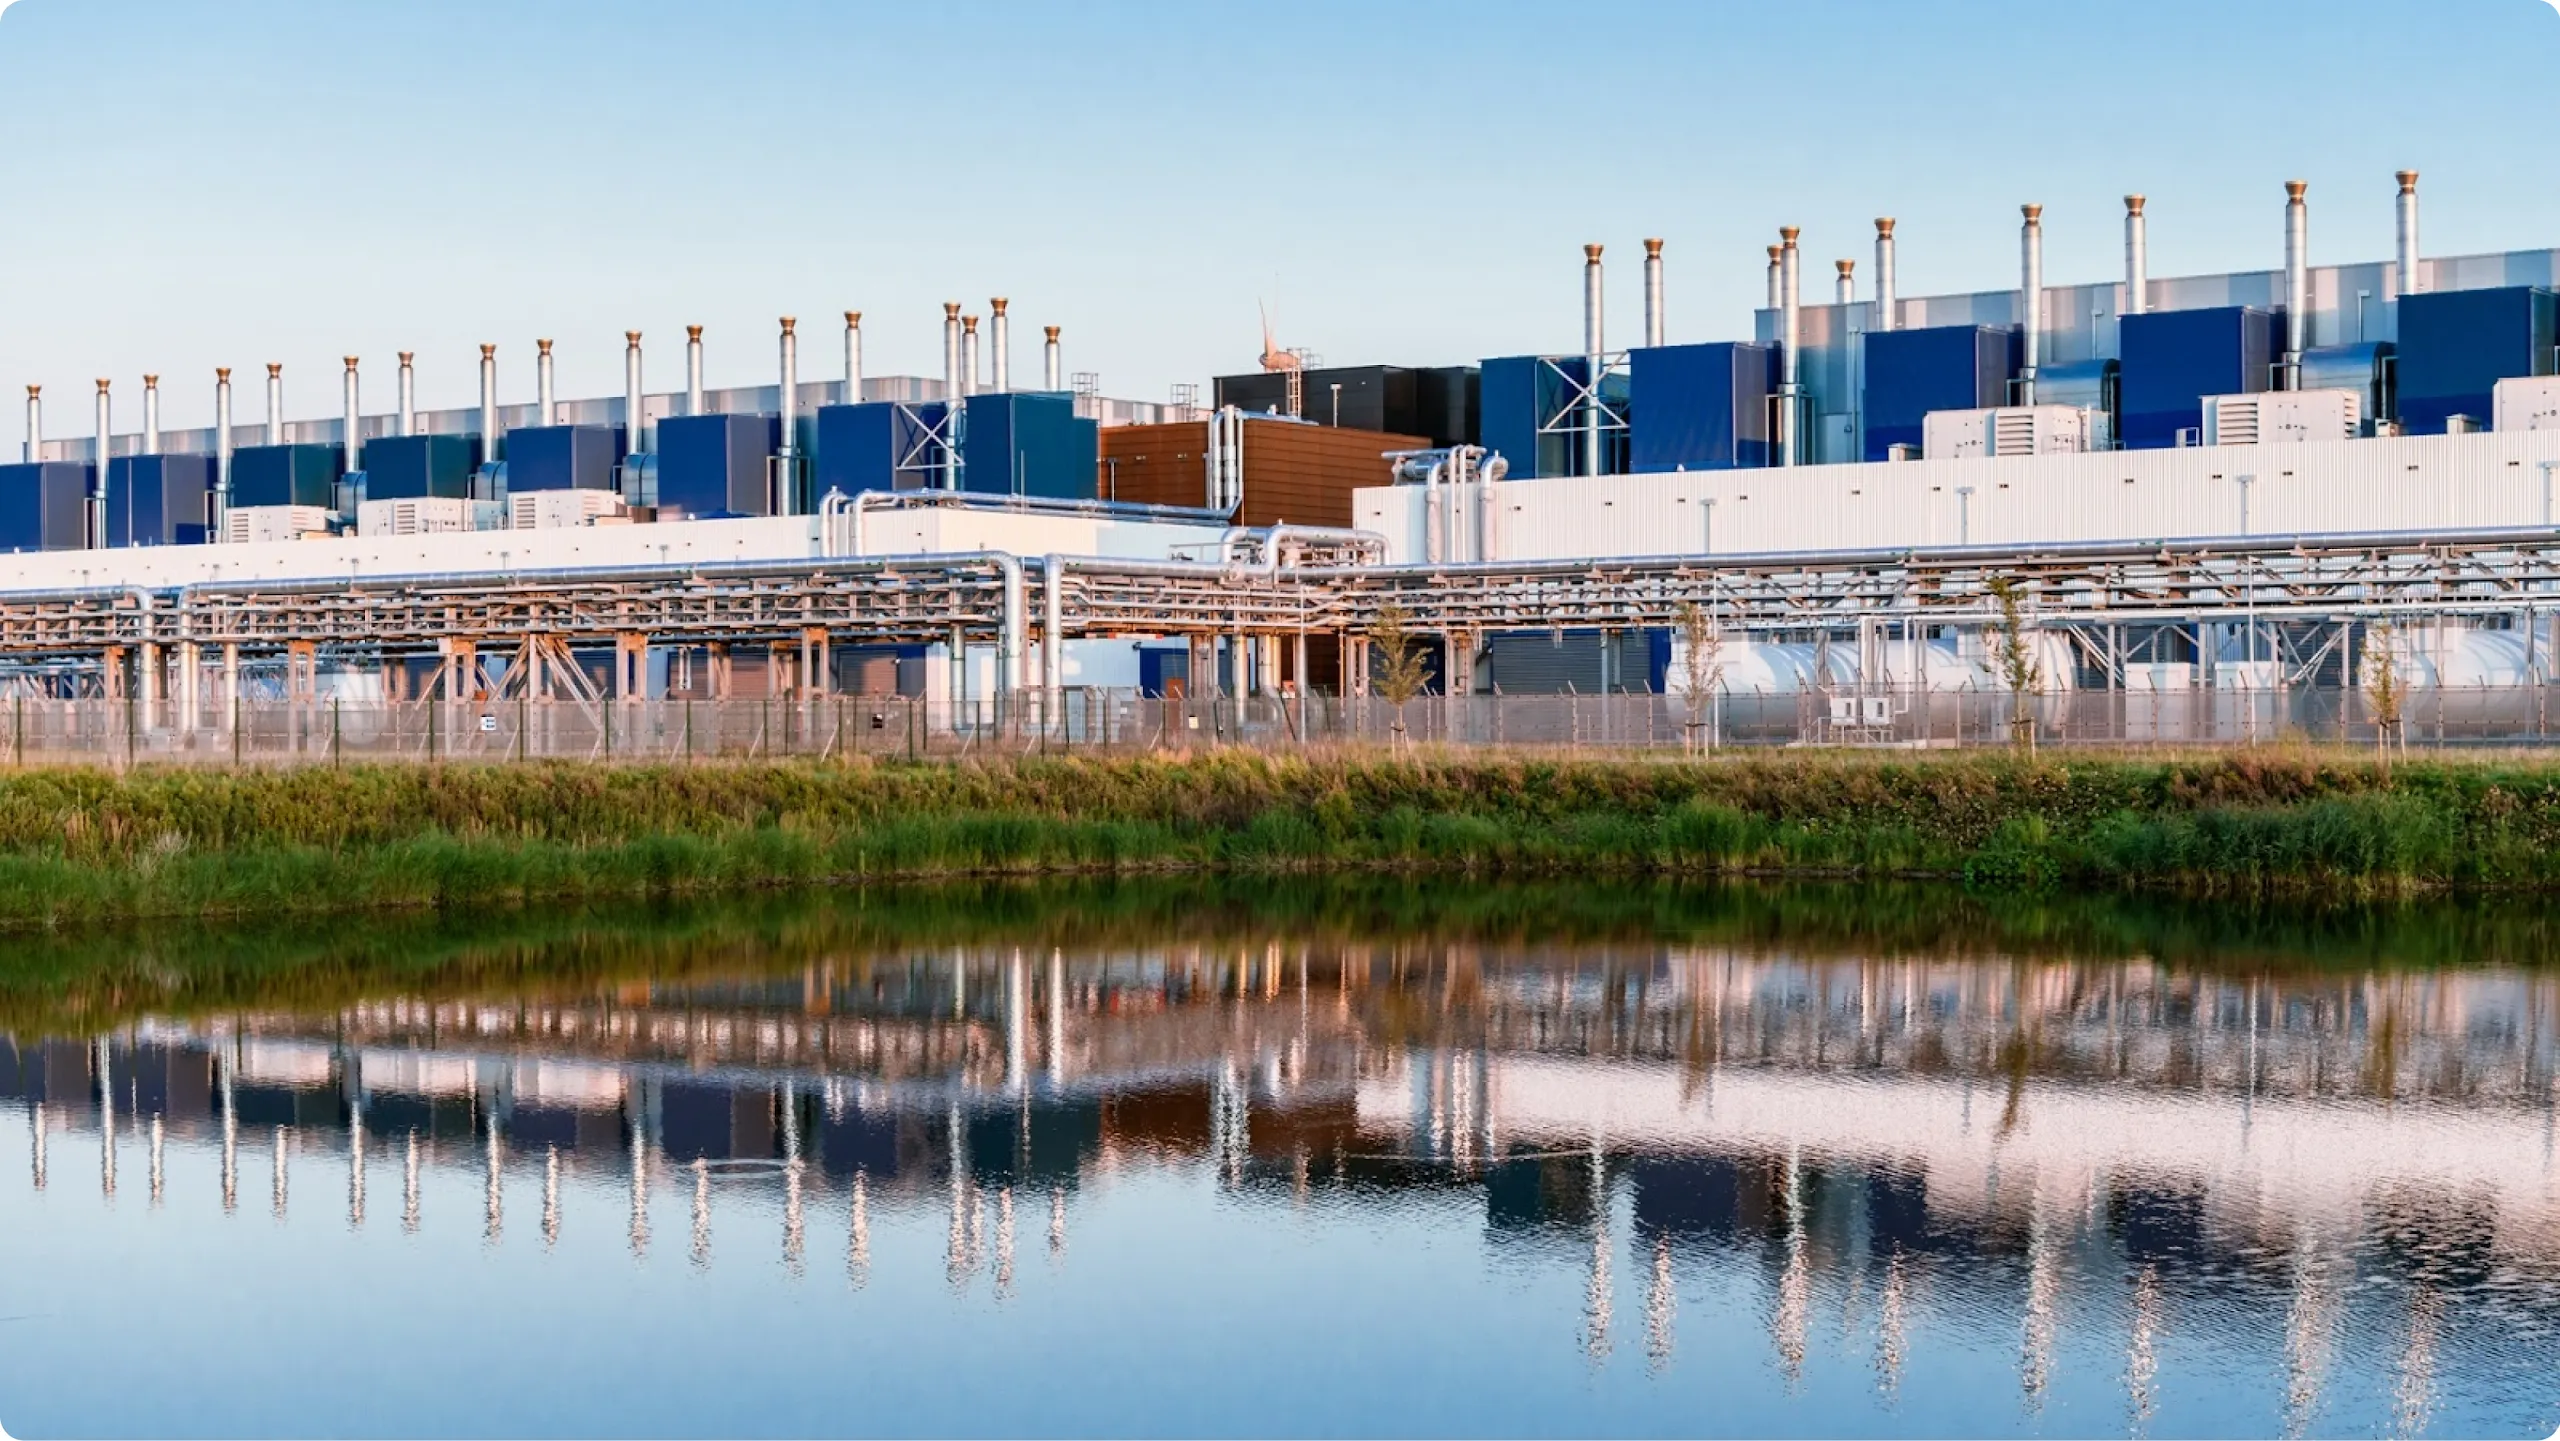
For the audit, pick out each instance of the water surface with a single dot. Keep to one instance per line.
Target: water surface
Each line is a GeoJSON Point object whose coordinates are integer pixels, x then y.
{"type": "Point", "coordinates": [1184, 1159]}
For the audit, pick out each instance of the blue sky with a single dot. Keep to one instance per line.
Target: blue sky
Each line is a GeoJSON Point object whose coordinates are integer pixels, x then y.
{"type": "Point", "coordinates": [200, 184]}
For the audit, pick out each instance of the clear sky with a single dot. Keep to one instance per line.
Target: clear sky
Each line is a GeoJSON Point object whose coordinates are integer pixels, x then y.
{"type": "Point", "coordinates": [194, 184]}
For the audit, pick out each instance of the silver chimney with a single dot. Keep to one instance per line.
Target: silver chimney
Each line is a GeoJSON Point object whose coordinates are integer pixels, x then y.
{"type": "Point", "coordinates": [408, 392]}
{"type": "Point", "coordinates": [35, 422]}
{"type": "Point", "coordinates": [951, 352]}
{"type": "Point", "coordinates": [635, 404]}
{"type": "Point", "coordinates": [2297, 281]}
{"type": "Point", "coordinates": [350, 433]}
{"type": "Point", "coordinates": [1844, 291]}
{"type": "Point", "coordinates": [545, 408]}
{"type": "Point", "coordinates": [968, 355]}
{"type": "Point", "coordinates": [853, 357]}
{"type": "Point", "coordinates": [1653, 292]}
{"type": "Point", "coordinates": [1777, 290]}
{"type": "Point", "coordinates": [2405, 210]}
{"type": "Point", "coordinates": [789, 458]}
{"type": "Point", "coordinates": [151, 415]}
{"type": "Point", "coordinates": [2137, 260]}
{"type": "Point", "coordinates": [106, 433]}
{"type": "Point", "coordinates": [1790, 331]}
{"type": "Point", "coordinates": [2030, 300]}
{"type": "Point", "coordinates": [221, 441]}
{"type": "Point", "coordinates": [693, 370]}
{"type": "Point", "coordinates": [275, 403]}
{"type": "Point", "coordinates": [1591, 352]}
{"type": "Point", "coordinates": [489, 404]}
{"type": "Point", "coordinates": [1052, 378]}
{"type": "Point", "coordinates": [1885, 319]}
{"type": "Point", "coordinates": [999, 347]}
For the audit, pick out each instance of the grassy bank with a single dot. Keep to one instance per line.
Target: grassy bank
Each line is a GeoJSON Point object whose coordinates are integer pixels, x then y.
{"type": "Point", "coordinates": [80, 845]}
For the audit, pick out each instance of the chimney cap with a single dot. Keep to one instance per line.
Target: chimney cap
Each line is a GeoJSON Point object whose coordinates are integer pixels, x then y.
{"type": "Point", "coordinates": [1846, 265]}
{"type": "Point", "coordinates": [2034, 213]}
{"type": "Point", "coordinates": [853, 320]}
{"type": "Point", "coordinates": [632, 336]}
{"type": "Point", "coordinates": [351, 362]}
{"type": "Point", "coordinates": [1653, 250]}
{"type": "Point", "coordinates": [151, 382]}
{"type": "Point", "coordinates": [789, 322]}
{"type": "Point", "coordinates": [969, 323]}
{"type": "Point", "coordinates": [1591, 255]}
{"type": "Point", "coordinates": [221, 374]}
{"type": "Point", "coordinates": [950, 311]}
{"type": "Point", "coordinates": [488, 352]}
{"type": "Point", "coordinates": [998, 304]}
{"type": "Point", "coordinates": [1775, 251]}
{"type": "Point", "coordinates": [1884, 225]}
{"type": "Point", "coordinates": [2133, 204]}
{"type": "Point", "coordinates": [275, 368]}
{"type": "Point", "coordinates": [35, 390]}
{"type": "Point", "coordinates": [102, 387]}
{"type": "Point", "coordinates": [543, 346]}
{"type": "Point", "coordinates": [408, 355]}
{"type": "Point", "coordinates": [2293, 189]}
{"type": "Point", "coordinates": [693, 332]}
{"type": "Point", "coordinates": [1050, 330]}
{"type": "Point", "coordinates": [2408, 181]}
{"type": "Point", "coordinates": [1787, 235]}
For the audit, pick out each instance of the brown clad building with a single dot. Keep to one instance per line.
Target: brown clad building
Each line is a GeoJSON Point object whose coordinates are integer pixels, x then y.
{"type": "Point", "coordinates": [1294, 473]}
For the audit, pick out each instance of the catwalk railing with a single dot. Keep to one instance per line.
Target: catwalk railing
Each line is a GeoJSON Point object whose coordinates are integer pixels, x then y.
{"type": "Point", "coordinates": [42, 731]}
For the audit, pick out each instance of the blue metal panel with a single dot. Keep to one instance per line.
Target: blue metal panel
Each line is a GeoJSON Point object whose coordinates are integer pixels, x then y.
{"type": "Point", "coordinates": [1524, 396]}
{"type": "Point", "coordinates": [562, 457]}
{"type": "Point", "coordinates": [1700, 407]}
{"type": "Point", "coordinates": [1945, 367]}
{"type": "Point", "coordinates": [418, 467]}
{"type": "Point", "coordinates": [879, 445]}
{"type": "Point", "coordinates": [286, 475]}
{"type": "Point", "coordinates": [715, 465]}
{"type": "Point", "coordinates": [44, 506]}
{"type": "Point", "coordinates": [2172, 359]}
{"type": "Point", "coordinates": [1028, 444]}
{"type": "Point", "coordinates": [1162, 669]}
{"type": "Point", "coordinates": [1509, 412]}
{"type": "Point", "coordinates": [2456, 345]}
{"type": "Point", "coordinates": [159, 499]}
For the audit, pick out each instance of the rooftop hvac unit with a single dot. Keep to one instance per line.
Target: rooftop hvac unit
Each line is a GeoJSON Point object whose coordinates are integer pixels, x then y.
{"type": "Point", "coordinates": [250, 524]}
{"type": "Point", "coordinates": [553, 509]}
{"type": "Point", "coordinates": [2526, 402]}
{"type": "Point", "coordinates": [426, 515]}
{"type": "Point", "coordinates": [2281, 417]}
{"type": "Point", "coordinates": [2004, 430]}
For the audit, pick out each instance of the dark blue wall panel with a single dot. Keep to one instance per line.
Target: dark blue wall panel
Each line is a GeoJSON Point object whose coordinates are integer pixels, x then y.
{"type": "Point", "coordinates": [562, 457]}
{"type": "Point", "coordinates": [2456, 345]}
{"type": "Point", "coordinates": [1700, 407]}
{"type": "Point", "coordinates": [158, 499]}
{"type": "Point", "coordinates": [419, 467]}
{"type": "Point", "coordinates": [2172, 359]}
{"type": "Point", "coordinates": [286, 475]}
{"type": "Point", "coordinates": [44, 506]}
{"type": "Point", "coordinates": [1028, 444]}
{"type": "Point", "coordinates": [1910, 373]}
{"type": "Point", "coordinates": [714, 465]}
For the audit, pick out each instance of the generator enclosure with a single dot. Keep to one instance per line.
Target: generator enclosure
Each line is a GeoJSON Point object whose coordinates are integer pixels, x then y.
{"type": "Point", "coordinates": [1913, 374]}
{"type": "Point", "coordinates": [44, 506]}
{"type": "Point", "coordinates": [714, 466]}
{"type": "Point", "coordinates": [563, 457]}
{"type": "Point", "coordinates": [265, 475]}
{"type": "Point", "coordinates": [420, 467]}
{"type": "Point", "coordinates": [2172, 359]}
{"type": "Point", "coordinates": [1030, 444]}
{"type": "Point", "coordinates": [2456, 345]}
{"type": "Point", "coordinates": [1700, 407]}
{"type": "Point", "coordinates": [159, 500]}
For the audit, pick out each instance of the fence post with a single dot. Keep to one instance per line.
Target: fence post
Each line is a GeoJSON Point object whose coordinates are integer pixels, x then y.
{"type": "Point", "coordinates": [235, 724]}
{"type": "Point", "coordinates": [432, 707]}
{"type": "Point", "coordinates": [687, 703]}
{"type": "Point", "coordinates": [20, 747]}
{"type": "Point", "coordinates": [524, 721]}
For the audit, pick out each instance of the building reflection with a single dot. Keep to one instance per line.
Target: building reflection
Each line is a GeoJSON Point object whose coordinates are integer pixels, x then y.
{"type": "Point", "coordinates": [2072, 1140]}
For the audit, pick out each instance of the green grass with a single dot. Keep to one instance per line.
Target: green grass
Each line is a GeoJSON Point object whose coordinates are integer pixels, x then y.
{"type": "Point", "coordinates": [80, 846]}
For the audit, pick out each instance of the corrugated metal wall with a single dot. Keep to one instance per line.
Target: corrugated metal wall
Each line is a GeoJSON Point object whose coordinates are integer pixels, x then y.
{"type": "Point", "coordinates": [1293, 473]}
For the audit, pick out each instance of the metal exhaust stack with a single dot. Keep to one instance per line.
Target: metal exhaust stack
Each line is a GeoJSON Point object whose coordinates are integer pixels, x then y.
{"type": "Point", "coordinates": [2137, 260]}
{"type": "Point", "coordinates": [693, 370]}
{"type": "Point", "coordinates": [2405, 211]}
{"type": "Point", "coordinates": [489, 404]}
{"type": "Point", "coordinates": [35, 422]}
{"type": "Point", "coordinates": [408, 392]}
{"type": "Point", "coordinates": [1790, 329]}
{"type": "Point", "coordinates": [221, 441]}
{"type": "Point", "coordinates": [968, 355]}
{"type": "Point", "coordinates": [789, 458]}
{"type": "Point", "coordinates": [545, 408]}
{"type": "Point", "coordinates": [853, 357]}
{"type": "Point", "coordinates": [999, 347]}
{"type": "Point", "coordinates": [1844, 291]}
{"type": "Point", "coordinates": [151, 415]}
{"type": "Point", "coordinates": [1653, 292]}
{"type": "Point", "coordinates": [275, 403]}
{"type": "Point", "coordinates": [2030, 300]}
{"type": "Point", "coordinates": [951, 352]}
{"type": "Point", "coordinates": [635, 404]}
{"type": "Point", "coordinates": [1884, 273]}
{"type": "Point", "coordinates": [2297, 282]}
{"type": "Point", "coordinates": [98, 504]}
{"type": "Point", "coordinates": [1591, 352]}
{"type": "Point", "coordinates": [1777, 290]}
{"type": "Point", "coordinates": [1051, 377]}
{"type": "Point", "coordinates": [350, 434]}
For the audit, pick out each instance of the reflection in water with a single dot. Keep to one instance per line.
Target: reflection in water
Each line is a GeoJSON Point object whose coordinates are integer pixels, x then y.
{"type": "Point", "coordinates": [2126, 1174]}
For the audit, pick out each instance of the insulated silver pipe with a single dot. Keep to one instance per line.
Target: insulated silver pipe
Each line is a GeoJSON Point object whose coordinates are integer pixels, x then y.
{"type": "Point", "coordinates": [2030, 300]}
{"type": "Point", "coordinates": [951, 352]}
{"type": "Point", "coordinates": [2297, 281]}
{"type": "Point", "coordinates": [545, 407]}
{"type": "Point", "coordinates": [1591, 352]}
{"type": "Point", "coordinates": [275, 404]}
{"type": "Point", "coordinates": [489, 404]}
{"type": "Point", "coordinates": [35, 422]}
{"type": "Point", "coordinates": [999, 347]}
{"type": "Point", "coordinates": [968, 355]}
{"type": "Point", "coordinates": [785, 503]}
{"type": "Point", "coordinates": [2137, 260]}
{"type": "Point", "coordinates": [1051, 378]}
{"type": "Point", "coordinates": [1790, 333]}
{"type": "Point", "coordinates": [349, 432]}
{"type": "Point", "coordinates": [98, 505]}
{"type": "Point", "coordinates": [693, 370]}
{"type": "Point", "coordinates": [221, 441]}
{"type": "Point", "coordinates": [1777, 290]}
{"type": "Point", "coordinates": [1844, 290]}
{"type": "Point", "coordinates": [1653, 292]}
{"type": "Point", "coordinates": [635, 402]}
{"type": "Point", "coordinates": [2405, 212]}
{"type": "Point", "coordinates": [853, 357]}
{"type": "Point", "coordinates": [1885, 319]}
{"type": "Point", "coordinates": [408, 392]}
{"type": "Point", "coordinates": [151, 415]}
